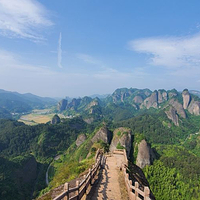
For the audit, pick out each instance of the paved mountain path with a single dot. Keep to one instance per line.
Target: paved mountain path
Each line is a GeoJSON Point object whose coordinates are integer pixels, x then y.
{"type": "Point", "coordinates": [107, 187]}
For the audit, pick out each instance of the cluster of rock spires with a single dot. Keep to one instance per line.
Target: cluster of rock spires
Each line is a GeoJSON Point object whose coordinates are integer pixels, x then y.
{"type": "Point", "coordinates": [172, 102]}
{"type": "Point", "coordinates": [121, 138]}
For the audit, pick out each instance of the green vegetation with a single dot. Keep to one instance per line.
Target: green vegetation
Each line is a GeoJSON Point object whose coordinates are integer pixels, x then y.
{"type": "Point", "coordinates": [175, 175]}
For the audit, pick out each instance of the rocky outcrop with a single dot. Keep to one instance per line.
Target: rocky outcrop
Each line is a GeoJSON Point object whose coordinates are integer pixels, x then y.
{"type": "Point", "coordinates": [145, 154]}
{"type": "Point", "coordinates": [194, 107]}
{"type": "Point", "coordinates": [172, 115]}
{"type": "Point", "coordinates": [102, 134]}
{"type": "Point", "coordinates": [138, 99]}
{"type": "Point", "coordinates": [162, 96]}
{"type": "Point", "coordinates": [81, 138]}
{"type": "Point", "coordinates": [121, 139]}
{"type": "Point", "coordinates": [62, 105]}
{"type": "Point", "coordinates": [55, 119]}
{"type": "Point", "coordinates": [186, 99]}
{"type": "Point", "coordinates": [151, 101]}
{"type": "Point", "coordinates": [74, 104]}
{"type": "Point", "coordinates": [178, 107]}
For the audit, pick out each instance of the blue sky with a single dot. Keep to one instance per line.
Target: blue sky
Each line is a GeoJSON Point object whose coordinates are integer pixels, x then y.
{"type": "Point", "coordinates": [75, 48]}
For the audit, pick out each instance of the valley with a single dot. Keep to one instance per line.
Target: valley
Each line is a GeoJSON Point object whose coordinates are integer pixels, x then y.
{"type": "Point", "coordinates": [158, 129]}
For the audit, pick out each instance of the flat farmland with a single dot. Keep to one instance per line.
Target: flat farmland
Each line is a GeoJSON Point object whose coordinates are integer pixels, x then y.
{"type": "Point", "coordinates": [38, 117]}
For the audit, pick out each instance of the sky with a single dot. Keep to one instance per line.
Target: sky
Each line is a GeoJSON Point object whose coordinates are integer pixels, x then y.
{"type": "Point", "coordinates": [59, 48]}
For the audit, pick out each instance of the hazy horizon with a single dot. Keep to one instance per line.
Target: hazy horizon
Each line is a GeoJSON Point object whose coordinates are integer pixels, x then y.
{"type": "Point", "coordinates": [75, 48]}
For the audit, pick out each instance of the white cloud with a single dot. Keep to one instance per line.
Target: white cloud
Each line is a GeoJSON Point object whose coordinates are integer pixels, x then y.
{"type": "Point", "coordinates": [23, 18]}
{"type": "Point", "coordinates": [60, 51]}
{"type": "Point", "coordinates": [170, 51]}
{"type": "Point", "coordinates": [88, 59]}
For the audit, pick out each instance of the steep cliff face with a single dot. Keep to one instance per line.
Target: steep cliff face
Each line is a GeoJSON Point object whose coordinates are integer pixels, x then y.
{"type": "Point", "coordinates": [194, 107]}
{"type": "Point", "coordinates": [178, 107]}
{"type": "Point", "coordinates": [62, 105]}
{"type": "Point", "coordinates": [138, 99]}
{"type": "Point", "coordinates": [145, 154]}
{"type": "Point", "coordinates": [186, 99]}
{"type": "Point", "coordinates": [162, 96]}
{"type": "Point", "coordinates": [151, 101]}
{"type": "Point", "coordinates": [121, 139]}
{"type": "Point", "coordinates": [81, 138]}
{"type": "Point", "coordinates": [102, 134]}
{"type": "Point", "coordinates": [171, 114]}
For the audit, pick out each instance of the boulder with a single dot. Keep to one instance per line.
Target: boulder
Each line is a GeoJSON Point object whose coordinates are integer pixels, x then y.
{"type": "Point", "coordinates": [145, 154]}
{"type": "Point", "coordinates": [55, 119]}
{"type": "Point", "coordinates": [102, 134]}
{"type": "Point", "coordinates": [121, 139]}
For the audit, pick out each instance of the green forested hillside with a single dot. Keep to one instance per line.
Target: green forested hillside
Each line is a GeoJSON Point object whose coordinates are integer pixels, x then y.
{"type": "Point", "coordinates": [25, 152]}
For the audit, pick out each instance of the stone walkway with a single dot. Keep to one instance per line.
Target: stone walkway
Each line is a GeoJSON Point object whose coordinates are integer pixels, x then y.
{"type": "Point", "coordinates": [106, 187]}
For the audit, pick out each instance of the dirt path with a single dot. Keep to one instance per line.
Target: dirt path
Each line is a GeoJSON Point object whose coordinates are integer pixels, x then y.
{"type": "Point", "coordinates": [107, 184]}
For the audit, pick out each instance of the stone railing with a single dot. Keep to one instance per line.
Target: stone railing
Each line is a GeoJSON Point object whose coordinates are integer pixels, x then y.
{"type": "Point", "coordinates": [78, 192]}
{"type": "Point", "coordinates": [134, 192]}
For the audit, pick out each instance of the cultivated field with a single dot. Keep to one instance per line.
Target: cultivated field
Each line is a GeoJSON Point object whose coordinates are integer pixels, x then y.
{"type": "Point", "coordinates": [38, 117]}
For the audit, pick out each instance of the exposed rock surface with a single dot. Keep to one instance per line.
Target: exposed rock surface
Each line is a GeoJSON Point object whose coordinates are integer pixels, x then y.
{"type": "Point", "coordinates": [151, 101]}
{"type": "Point", "coordinates": [121, 138]}
{"type": "Point", "coordinates": [74, 104]}
{"type": "Point", "coordinates": [145, 154]}
{"type": "Point", "coordinates": [55, 119]}
{"type": "Point", "coordinates": [102, 134]}
{"type": "Point", "coordinates": [186, 99]}
{"type": "Point", "coordinates": [178, 107]}
{"type": "Point", "coordinates": [138, 99]}
{"type": "Point", "coordinates": [194, 107]}
{"type": "Point", "coordinates": [162, 96]}
{"type": "Point", "coordinates": [62, 105]}
{"type": "Point", "coordinates": [81, 138]}
{"type": "Point", "coordinates": [89, 120]}
{"type": "Point", "coordinates": [171, 114]}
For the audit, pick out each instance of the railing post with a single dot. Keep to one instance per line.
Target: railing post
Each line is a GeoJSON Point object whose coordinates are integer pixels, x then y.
{"type": "Point", "coordinates": [146, 193]}
{"type": "Point", "coordinates": [136, 189]}
{"type": "Point", "coordinates": [77, 185]}
{"type": "Point", "coordinates": [66, 189]}
{"type": "Point", "coordinates": [85, 183]}
{"type": "Point", "coordinates": [90, 176]}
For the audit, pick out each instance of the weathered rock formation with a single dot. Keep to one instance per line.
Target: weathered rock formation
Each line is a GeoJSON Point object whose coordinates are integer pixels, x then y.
{"type": "Point", "coordinates": [171, 114]}
{"type": "Point", "coordinates": [151, 101]}
{"type": "Point", "coordinates": [81, 138]}
{"type": "Point", "coordinates": [162, 96]}
{"type": "Point", "coordinates": [138, 99]}
{"type": "Point", "coordinates": [121, 139]}
{"type": "Point", "coordinates": [194, 107]}
{"type": "Point", "coordinates": [62, 105]}
{"type": "Point", "coordinates": [55, 119]}
{"type": "Point", "coordinates": [145, 154]}
{"type": "Point", "coordinates": [102, 134]}
{"type": "Point", "coordinates": [186, 99]}
{"type": "Point", "coordinates": [178, 107]}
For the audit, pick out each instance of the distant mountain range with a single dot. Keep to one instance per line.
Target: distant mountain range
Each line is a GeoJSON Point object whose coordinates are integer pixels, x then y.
{"type": "Point", "coordinates": [13, 102]}
{"type": "Point", "coordinates": [125, 103]}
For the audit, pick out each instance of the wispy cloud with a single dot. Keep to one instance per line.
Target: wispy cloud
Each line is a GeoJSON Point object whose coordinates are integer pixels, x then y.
{"type": "Point", "coordinates": [88, 59]}
{"type": "Point", "coordinates": [170, 51]}
{"type": "Point", "coordinates": [60, 51]}
{"type": "Point", "coordinates": [23, 18]}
